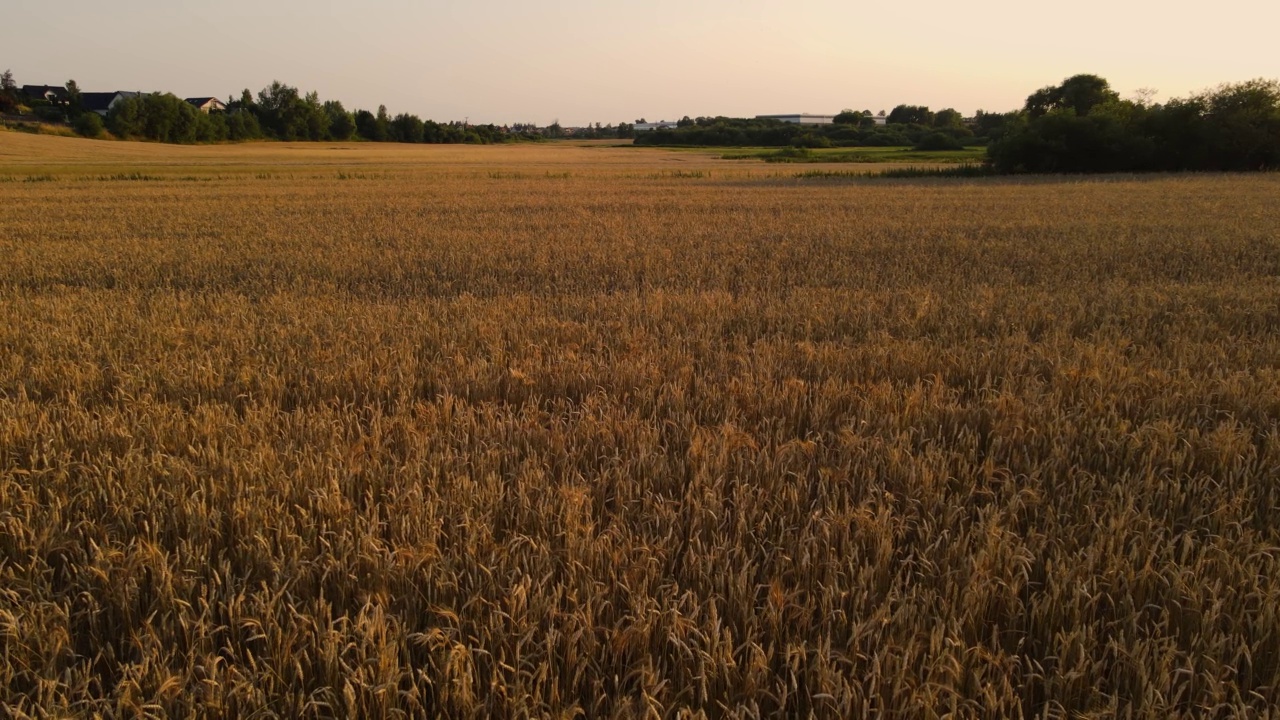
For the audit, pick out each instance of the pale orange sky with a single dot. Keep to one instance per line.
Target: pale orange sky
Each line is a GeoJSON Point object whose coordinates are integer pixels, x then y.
{"type": "Point", "coordinates": [506, 61]}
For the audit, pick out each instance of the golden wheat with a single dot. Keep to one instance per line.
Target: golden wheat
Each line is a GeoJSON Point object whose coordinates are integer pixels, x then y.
{"type": "Point", "coordinates": [541, 431]}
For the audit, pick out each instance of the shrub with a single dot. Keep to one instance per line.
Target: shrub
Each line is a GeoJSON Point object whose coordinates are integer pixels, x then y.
{"type": "Point", "coordinates": [89, 124]}
{"type": "Point", "coordinates": [48, 113]}
{"type": "Point", "coordinates": [939, 141]}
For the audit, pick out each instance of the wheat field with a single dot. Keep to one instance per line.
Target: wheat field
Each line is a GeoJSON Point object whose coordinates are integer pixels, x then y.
{"type": "Point", "coordinates": [557, 431]}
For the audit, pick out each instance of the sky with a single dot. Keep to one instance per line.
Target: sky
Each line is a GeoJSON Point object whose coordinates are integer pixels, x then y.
{"type": "Point", "coordinates": [578, 62]}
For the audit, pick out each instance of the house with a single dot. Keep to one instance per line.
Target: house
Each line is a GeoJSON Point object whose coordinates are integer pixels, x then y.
{"type": "Point", "coordinates": [801, 118]}
{"type": "Point", "coordinates": [207, 105]}
{"type": "Point", "coordinates": [102, 102]}
{"type": "Point", "coordinates": [55, 94]}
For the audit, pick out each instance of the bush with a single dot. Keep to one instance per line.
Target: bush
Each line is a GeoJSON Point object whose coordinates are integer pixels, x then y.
{"type": "Point", "coordinates": [48, 113]}
{"type": "Point", "coordinates": [811, 140]}
{"type": "Point", "coordinates": [89, 124]}
{"type": "Point", "coordinates": [939, 141]}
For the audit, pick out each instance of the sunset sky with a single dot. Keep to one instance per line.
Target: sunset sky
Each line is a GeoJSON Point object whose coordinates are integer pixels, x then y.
{"type": "Point", "coordinates": [505, 61]}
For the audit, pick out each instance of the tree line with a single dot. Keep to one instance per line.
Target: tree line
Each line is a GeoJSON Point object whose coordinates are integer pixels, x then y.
{"type": "Point", "coordinates": [277, 112]}
{"type": "Point", "coordinates": [906, 125]}
{"type": "Point", "coordinates": [1082, 125]}
{"type": "Point", "coordinates": [282, 112]}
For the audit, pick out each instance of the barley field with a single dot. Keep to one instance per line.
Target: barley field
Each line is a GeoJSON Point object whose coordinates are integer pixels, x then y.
{"type": "Point", "coordinates": [590, 431]}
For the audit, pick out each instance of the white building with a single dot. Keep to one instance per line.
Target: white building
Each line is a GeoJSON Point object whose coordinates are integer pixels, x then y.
{"type": "Point", "coordinates": [801, 118]}
{"type": "Point", "coordinates": [207, 105]}
{"type": "Point", "coordinates": [807, 119]}
{"type": "Point", "coordinates": [660, 125]}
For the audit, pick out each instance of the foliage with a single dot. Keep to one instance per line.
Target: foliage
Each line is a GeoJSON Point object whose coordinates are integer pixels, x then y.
{"type": "Point", "coordinates": [724, 131]}
{"type": "Point", "coordinates": [1082, 126]}
{"type": "Point", "coordinates": [852, 117]}
{"type": "Point", "coordinates": [407, 128]}
{"type": "Point", "coordinates": [948, 118]}
{"type": "Point", "coordinates": [911, 115]}
{"type": "Point", "coordinates": [939, 141]}
{"type": "Point", "coordinates": [342, 125]}
{"type": "Point", "coordinates": [88, 124]}
{"type": "Point", "coordinates": [165, 118]}
{"type": "Point", "coordinates": [50, 113]}
{"type": "Point", "coordinates": [1079, 94]}
{"type": "Point", "coordinates": [8, 92]}
{"type": "Point", "coordinates": [284, 114]}
{"type": "Point", "coordinates": [74, 108]}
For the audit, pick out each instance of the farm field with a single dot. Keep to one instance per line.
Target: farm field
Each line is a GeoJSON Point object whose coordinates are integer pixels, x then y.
{"type": "Point", "coordinates": [554, 430]}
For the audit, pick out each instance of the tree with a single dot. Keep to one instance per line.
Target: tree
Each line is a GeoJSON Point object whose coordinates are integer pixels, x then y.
{"type": "Point", "coordinates": [910, 115]}
{"type": "Point", "coordinates": [315, 117]}
{"type": "Point", "coordinates": [366, 126]}
{"type": "Point", "coordinates": [685, 121]}
{"type": "Point", "coordinates": [8, 92]}
{"type": "Point", "coordinates": [407, 128]}
{"type": "Point", "coordinates": [848, 117]}
{"type": "Point", "coordinates": [243, 125]}
{"type": "Point", "coordinates": [74, 107]}
{"type": "Point", "coordinates": [384, 123]}
{"type": "Point", "coordinates": [287, 115]}
{"type": "Point", "coordinates": [246, 102]}
{"type": "Point", "coordinates": [164, 118]}
{"type": "Point", "coordinates": [948, 118]}
{"type": "Point", "coordinates": [1078, 93]}
{"type": "Point", "coordinates": [88, 124]}
{"type": "Point", "coordinates": [341, 124]}
{"type": "Point", "coordinates": [1244, 124]}
{"type": "Point", "coordinates": [938, 141]}
{"type": "Point", "coordinates": [992, 125]}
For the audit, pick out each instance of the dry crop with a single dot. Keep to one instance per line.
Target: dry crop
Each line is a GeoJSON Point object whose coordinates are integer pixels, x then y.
{"type": "Point", "coordinates": [556, 431]}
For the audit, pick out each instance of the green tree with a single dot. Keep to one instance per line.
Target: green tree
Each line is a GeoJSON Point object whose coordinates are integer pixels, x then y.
{"type": "Point", "coordinates": [8, 92]}
{"type": "Point", "coordinates": [1078, 93]}
{"type": "Point", "coordinates": [285, 114]}
{"type": "Point", "coordinates": [88, 124]}
{"type": "Point", "coordinates": [316, 118]}
{"type": "Point", "coordinates": [948, 118]}
{"type": "Point", "coordinates": [1243, 124]}
{"type": "Point", "coordinates": [992, 125]}
{"type": "Point", "coordinates": [243, 125]}
{"type": "Point", "coordinates": [74, 104]}
{"type": "Point", "coordinates": [848, 117]}
{"type": "Point", "coordinates": [383, 121]}
{"type": "Point", "coordinates": [938, 141]}
{"type": "Point", "coordinates": [367, 126]}
{"type": "Point", "coordinates": [341, 124]}
{"type": "Point", "coordinates": [407, 128]}
{"type": "Point", "coordinates": [910, 115]}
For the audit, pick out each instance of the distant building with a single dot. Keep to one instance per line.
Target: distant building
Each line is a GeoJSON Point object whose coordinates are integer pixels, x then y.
{"type": "Point", "coordinates": [801, 118]}
{"type": "Point", "coordinates": [102, 102]}
{"type": "Point", "coordinates": [207, 105]}
{"type": "Point", "coordinates": [660, 125]}
{"type": "Point", "coordinates": [808, 119]}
